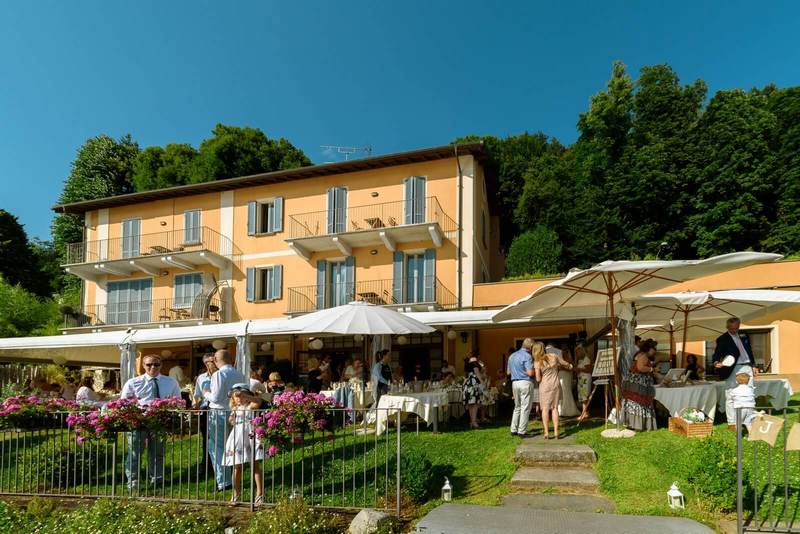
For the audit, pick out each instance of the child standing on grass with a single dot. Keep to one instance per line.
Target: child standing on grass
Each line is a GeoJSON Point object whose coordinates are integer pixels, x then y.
{"type": "Point", "coordinates": [239, 446]}
{"type": "Point", "coordinates": [744, 397]}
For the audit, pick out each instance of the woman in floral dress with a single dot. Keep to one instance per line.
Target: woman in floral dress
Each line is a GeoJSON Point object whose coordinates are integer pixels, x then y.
{"type": "Point", "coordinates": [638, 395]}
{"type": "Point", "coordinates": [473, 392]}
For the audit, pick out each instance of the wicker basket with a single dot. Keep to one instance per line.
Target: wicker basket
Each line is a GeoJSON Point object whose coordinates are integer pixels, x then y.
{"type": "Point", "coordinates": [680, 426]}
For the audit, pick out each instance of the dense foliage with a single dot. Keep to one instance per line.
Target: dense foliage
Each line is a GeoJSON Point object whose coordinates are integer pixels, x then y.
{"type": "Point", "coordinates": [657, 170]}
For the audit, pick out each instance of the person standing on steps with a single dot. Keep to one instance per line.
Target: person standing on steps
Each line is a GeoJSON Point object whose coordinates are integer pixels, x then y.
{"type": "Point", "coordinates": [520, 368]}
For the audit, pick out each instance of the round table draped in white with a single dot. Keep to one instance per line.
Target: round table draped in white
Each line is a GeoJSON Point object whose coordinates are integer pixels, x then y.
{"type": "Point", "coordinates": [778, 390]}
{"type": "Point", "coordinates": [427, 405]}
{"type": "Point", "coordinates": [700, 396]}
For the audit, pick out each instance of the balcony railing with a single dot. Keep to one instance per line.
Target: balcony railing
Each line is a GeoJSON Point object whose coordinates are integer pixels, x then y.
{"type": "Point", "coordinates": [371, 217]}
{"type": "Point", "coordinates": [146, 311]}
{"type": "Point", "coordinates": [304, 299]}
{"type": "Point", "coordinates": [169, 242]}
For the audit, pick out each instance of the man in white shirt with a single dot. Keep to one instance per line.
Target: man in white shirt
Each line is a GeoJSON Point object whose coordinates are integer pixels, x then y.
{"type": "Point", "coordinates": [733, 343]}
{"type": "Point", "coordinates": [216, 394]}
{"type": "Point", "coordinates": [146, 388]}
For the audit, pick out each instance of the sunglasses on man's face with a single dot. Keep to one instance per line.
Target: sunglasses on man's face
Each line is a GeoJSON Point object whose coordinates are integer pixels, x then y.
{"type": "Point", "coordinates": [152, 365]}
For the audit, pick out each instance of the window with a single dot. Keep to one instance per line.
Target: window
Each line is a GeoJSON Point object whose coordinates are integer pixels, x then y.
{"type": "Point", "coordinates": [128, 302]}
{"type": "Point", "coordinates": [337, 210]}
{"type": "Point", "coordinates": [264, 283]}
{"type": "Point", "coordinates": [187, 288]}
{"type": "Point", "coordinates": [265, 216]}
{"type": "Point", "coordinates": [414, 277]}
{"type": "Point", "coordinates": [335, 282]}
{"type": "Point", "coordinates": [414, 206]}
{"type": "Point", "coordinates": [191, 227]}
{"type": "Point", "coordinates": [131, 229]}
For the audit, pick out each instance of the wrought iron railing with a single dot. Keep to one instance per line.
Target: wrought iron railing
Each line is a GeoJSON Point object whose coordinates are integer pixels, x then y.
{"type": "Point", "coordinates": [145, 311]}
{"type": "Point", "coordinates": [304, 299]}
{"type": "Point", "coordinates": [159, 243]}
{"type": "Point", "coordinates": [370, 217]}
{"type": "Point", "coordinates": [355, 469]}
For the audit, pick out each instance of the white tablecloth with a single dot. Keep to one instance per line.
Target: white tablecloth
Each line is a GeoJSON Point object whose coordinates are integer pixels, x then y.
{"type": "Point", "coordinates": [424, 405]}
{"type": "Point", "coordinates": [778, 389]}
{"type": "Point", "coordinates": [701, 396]}
{"type": "Point", "coordinates": [362, 399]}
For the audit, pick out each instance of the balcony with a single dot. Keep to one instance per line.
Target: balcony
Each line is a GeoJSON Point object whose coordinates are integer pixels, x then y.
{"type": "Point", "coordinates": [386, 224]}
{"type": "Point", "coordinates": [150, 253]}
{"type": "Point", "coordinates": [160, 312]}
{"type": "Point", "coordinates": [306, 299]}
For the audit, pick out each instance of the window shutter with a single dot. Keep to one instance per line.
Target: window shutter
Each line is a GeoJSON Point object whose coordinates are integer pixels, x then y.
{"type": "Point", "coordinates": [277, 280]}
{"type": "Point", "coordinates": [408, 205]}
{"type": "Point", "coordinates": [251, 284]}
{"type": "Point", "coordinates": [341, 207]}
{"type": "Point", "coordinates": [430, 275]}
{"type": "Point", "coordinates": [331, 210]}
{"type": "Point", "coordinates": [322, 267]}
{"type": "Point", "coordinates": [397, 274]}
{"type": "Point", "coordinates": [350, 278]}
{"type": "Point", "coordinates": [277, 215]}
{"type": "Point", "coordinates": [252, 217]}
{"type": "Point", "coordinates": [419, 199]}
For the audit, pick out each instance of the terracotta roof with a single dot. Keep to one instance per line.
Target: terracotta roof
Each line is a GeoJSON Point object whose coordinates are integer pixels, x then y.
{"type": "Point", "coordinates": [312, 171]}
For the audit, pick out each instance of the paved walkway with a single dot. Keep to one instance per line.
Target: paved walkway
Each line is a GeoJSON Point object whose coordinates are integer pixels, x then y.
{"type": "Point", "coordinates": [473, 519]}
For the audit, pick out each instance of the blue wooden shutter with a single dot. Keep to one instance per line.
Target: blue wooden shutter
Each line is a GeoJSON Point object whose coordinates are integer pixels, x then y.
{"type": "Point", "coordinates": [277, 276]}
{"type": "Point", "coordinates": [430, 275]}
{"type": "Point", "coordinates": [331, 211]}
{"type": "Point", "coordinates": [408, 204]}
{"type": "Point", "coordinates": [277, 215]}
{"type": "Point", "coordinates": [251, 284]}
{"type": "Point", "coordinates": [191, 227]}
{"type": "Point", "coordinates": [322, 267]}
{"type": "Point", "coordinates": [341, 209]}
{"type": "Point", "coordinates": [397, 274]}
{"type": "Point", "coordinates": [252, 217]}
{"type": "Point", "coordinates": [350, 278]}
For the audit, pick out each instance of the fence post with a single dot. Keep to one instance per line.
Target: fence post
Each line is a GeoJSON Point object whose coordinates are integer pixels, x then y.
{"type": "Point", "coordinates": [739, 489]}
{"type": "Point", "coordinates": [397, 474]}
{"type": "Point", "coordinates": [114, 467]}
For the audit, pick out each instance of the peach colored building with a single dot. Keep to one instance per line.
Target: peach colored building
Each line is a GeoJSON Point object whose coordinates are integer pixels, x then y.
{"type": "Point", "coordinates": [416, 231]}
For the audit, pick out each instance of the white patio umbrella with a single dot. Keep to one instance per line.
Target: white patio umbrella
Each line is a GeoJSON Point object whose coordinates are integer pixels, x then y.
{"type": "Point", "coordinates": [706, 311]}
{"type": "Point", "coordinates": [356, 318]}
{"type": "Point", "coordinates": [610, 283]}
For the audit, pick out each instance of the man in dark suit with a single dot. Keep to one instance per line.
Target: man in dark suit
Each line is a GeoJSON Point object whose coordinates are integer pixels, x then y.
{"type": "Point", "coordinates": [733, 343]}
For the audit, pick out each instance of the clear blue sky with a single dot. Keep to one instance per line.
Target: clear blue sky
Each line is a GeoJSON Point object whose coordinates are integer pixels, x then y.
{"type": "Point", "coordinates": [395, 75]}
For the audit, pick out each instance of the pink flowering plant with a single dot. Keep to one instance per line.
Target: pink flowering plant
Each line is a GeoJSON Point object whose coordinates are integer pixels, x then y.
{"type": "Point", "coordinates": [30, 412]}
{"type": "Point", "coordinates": [123, 415]}
{"type": "Point", "coordinates": [295, 414]}
{"type": "Point", "coordinates": [163, 415]}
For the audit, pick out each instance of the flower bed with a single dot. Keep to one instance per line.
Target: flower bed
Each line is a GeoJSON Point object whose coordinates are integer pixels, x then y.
{"type": "Point", "coordinates": [295, 414]}
{"type": "Point", "coordinates": [32, 412]}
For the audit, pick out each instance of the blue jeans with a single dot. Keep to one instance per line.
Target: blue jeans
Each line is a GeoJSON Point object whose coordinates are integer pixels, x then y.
{"type": "Point", "coordinates": [137, 441]}
{"type": "Point", "coordinates": [217, 435]}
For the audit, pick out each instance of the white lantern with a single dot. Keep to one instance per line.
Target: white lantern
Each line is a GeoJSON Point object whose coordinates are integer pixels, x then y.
{"type": "Point", "coordinates": [402, 340]}
{"type": "Point", "coordinates": [266, 346]}
{"type": "Point", "coordinates": [447, 491]}
{"type": "Point", "coordinates": [218, 344]}
{"type": "Point", "coordinates": [451, 334]}
{"type": "Point", "coordinates": [166, 353]}
{"type": "Point", "coordinates": [358, 338]}
{"type": "Point", "coordinates": [317, 344]}
{"type": "Point", "coordinates": [675, 497]}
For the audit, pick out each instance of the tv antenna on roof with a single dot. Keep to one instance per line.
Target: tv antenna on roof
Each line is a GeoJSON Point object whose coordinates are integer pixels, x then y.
{"type": "Point", "coordinates": [348, 150]}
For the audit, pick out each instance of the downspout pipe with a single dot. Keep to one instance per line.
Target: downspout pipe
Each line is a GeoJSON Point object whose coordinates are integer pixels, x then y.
{"type": "Point", "coordinates": [459, 260]}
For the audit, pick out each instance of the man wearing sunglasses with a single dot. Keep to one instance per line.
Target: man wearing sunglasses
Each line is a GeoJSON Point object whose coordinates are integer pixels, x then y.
{"type": "Point", "coordinates": [145, 389]}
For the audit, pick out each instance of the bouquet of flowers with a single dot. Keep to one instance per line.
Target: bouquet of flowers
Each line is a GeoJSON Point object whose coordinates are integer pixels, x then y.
{"type": "Point", "coordinates": [693, 415]}
{"type": "Point", "coordinates": [295, 414]}
{"type": "Point", "coordinates": [23, 412]}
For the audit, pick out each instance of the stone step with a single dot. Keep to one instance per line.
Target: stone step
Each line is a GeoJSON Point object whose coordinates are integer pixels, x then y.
{"type": "Point", "coordinates": [554, 454]}
{"type": "Point", "coordinates": [574, 479]}
{"type": "Point", "coordinates": [564, 503]}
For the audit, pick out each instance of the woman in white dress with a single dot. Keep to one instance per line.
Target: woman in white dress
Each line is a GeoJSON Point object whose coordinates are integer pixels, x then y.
{"type": "Point", "coordinates": [239, 446]}
{"type": "Point", "coordinates": [567, 406]}
{"type": "Point", "coordinates": [86, 393]}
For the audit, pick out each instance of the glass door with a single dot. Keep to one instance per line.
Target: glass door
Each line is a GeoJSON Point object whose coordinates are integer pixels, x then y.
{"type": "Point", "coordinates": [415, 278]}
{"type": "Point", "coordinates": [338, 284]}
{"type": "Point", "coordinates": [129, 302]}
{"type": "Point", "coordinates": [130, 238]}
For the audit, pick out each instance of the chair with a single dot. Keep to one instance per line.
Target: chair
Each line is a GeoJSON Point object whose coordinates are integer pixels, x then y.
{"type": "Point", "coordinates": [392, 221]}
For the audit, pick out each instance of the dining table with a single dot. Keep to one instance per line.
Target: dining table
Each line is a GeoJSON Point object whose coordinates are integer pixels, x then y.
{"type": "Point", "coordinates": [425, 404]}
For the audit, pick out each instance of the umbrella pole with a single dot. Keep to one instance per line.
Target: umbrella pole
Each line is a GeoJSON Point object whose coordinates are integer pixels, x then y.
{"type": "Point", "coordinates": [672, 348]}
{"type": "Point", "coordinates": [614, 355]}
{"type": "Point", "coordinates": [685, 332]}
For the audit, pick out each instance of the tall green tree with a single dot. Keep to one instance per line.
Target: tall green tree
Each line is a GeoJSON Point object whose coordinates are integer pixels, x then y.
{"type": "Point", "coordinates": [17, 264]}
{"type": "Point", "coordinates": [103, 167]}
{"type": "Point", "coordinates": [157, 167]}
{"type": "Point", "coordinates": [784, 232]}
{"type": "Point", "coordinates": [25, 314]}
{"type": "Point", "coordinates": [535, 252]}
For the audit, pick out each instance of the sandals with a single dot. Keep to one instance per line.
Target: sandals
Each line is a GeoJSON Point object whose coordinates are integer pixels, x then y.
{"type": "Point", "coordinates": [258, 500]}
